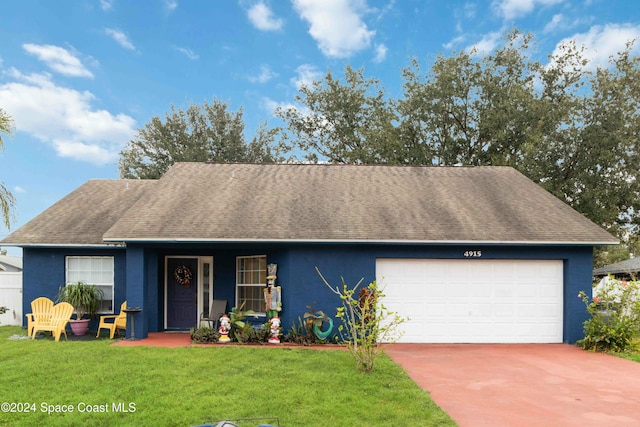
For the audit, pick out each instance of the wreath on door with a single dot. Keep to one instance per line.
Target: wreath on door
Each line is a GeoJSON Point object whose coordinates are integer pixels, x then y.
{"type": "Point", "coordinates": [183, 276]}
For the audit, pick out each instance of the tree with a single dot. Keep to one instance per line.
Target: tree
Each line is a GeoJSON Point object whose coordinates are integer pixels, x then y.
{"type": "Point", "coordinates": [571, 128]}
{"type": "Point", "coordinates": [588, 155]}
{"type": "Point", "coordinates": [7, 201]}
{"type": "Point", "coordinates": [471, 110]}
{"type": "Point", "coordinates": [350, 122]}
{"type": "Point", "coordinates": [207, 132]}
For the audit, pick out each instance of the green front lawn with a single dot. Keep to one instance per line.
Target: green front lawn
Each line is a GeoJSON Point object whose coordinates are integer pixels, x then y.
{"type": "Point", "coordinates": [193, 385]}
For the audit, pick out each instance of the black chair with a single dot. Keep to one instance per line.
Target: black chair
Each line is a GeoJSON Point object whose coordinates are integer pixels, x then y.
{"type": "Point", "coordinates": [218, 308]}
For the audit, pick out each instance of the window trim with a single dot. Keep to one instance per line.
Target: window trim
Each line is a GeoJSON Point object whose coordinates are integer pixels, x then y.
{"type": "Point", "coordinates": [93, 282]}
{"type": "Point", "coordinates": [255, 285]}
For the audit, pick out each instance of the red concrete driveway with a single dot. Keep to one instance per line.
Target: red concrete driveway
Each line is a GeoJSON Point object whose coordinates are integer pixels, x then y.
{"type": "Point", "coordinates": [524, 385]}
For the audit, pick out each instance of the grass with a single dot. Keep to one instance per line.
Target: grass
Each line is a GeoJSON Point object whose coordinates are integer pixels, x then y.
{"type": "Point", "coordinates": [633, 354]}
{"type": "Point", "coordinates": [193, 385]}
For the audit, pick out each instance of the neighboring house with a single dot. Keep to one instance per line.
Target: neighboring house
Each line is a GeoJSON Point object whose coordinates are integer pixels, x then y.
{"type": "Point", "coordinates": [11, 289]}
{"type": "Point", "coordinates": [468, 254]}
{"type": "Point", "coordinates": [627, 269]}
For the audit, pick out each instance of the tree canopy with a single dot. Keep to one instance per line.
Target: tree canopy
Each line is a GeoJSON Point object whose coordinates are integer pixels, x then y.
{"type": "Point", "coordinates": [7, 201]}
{"type": "Point", "coordinates": [207, 132]}
{"type": "Point", "coordinates": [568, 126]}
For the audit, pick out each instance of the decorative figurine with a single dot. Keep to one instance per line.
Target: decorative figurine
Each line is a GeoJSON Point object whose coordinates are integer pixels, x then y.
{"type": "Point", "coordinates": [272, 293]}
{"type": "Point", "coordinates": [224, 329]}
{"type": "Point", "coordinates": [274, 330]}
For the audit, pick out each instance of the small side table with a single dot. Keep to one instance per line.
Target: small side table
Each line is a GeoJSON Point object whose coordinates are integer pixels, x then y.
{"type": "Point", "coordinates": [131, 312]}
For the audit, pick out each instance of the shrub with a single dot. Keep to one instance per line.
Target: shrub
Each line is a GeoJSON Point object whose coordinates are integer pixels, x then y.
{"type": "Point", "coordinates": [366, 322]}
{"type": "Point", "coordinates": [251, 334]}
{"type": "Point", "coordinates": [615, 316]}
{"type": "Point", "coordinates": [302, 334]}
{"type": "Point", "coordinates": [204, 335]}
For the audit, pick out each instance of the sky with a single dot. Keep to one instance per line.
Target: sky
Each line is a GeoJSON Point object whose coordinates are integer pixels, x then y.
{"type": "Point", "coordinates": [80, 77]}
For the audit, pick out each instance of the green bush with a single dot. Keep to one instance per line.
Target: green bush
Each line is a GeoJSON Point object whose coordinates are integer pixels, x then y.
{"type": "Point", "coordinates": [615, 316]}
{"type": "Point", "coordinates": [204, 335]}
{"type": "Point", "coordinates": [249, 333]}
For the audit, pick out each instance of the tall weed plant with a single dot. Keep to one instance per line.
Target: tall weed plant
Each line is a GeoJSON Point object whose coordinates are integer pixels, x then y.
{"type": "Point", "coordinates": [366, 322]}
{"type": "Point", "coordinates": [615, 316]}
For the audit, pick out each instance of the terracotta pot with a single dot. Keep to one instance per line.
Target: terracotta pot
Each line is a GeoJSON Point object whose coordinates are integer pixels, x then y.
{"type": "Point", "coordinates": [79, 327]}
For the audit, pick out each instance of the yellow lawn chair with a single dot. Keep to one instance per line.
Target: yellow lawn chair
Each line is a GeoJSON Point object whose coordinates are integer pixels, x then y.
{"type": "Point", "coordinates": [60, 316]}
{"type": "Point", "coordinates": [40, 313]}
{"type": "Point", "coordinates": [116, 321]}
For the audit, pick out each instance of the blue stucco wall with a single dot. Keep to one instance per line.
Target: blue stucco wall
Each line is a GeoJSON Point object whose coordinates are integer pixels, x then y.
{"type": "Point", "coordinates": [44, 273]}
{"type": "Point", "coordinates": [142, 284]}
{"type": "Point", "coordinates": [354, 262]}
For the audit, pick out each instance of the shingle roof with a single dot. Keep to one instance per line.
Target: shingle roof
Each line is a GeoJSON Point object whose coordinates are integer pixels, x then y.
{"type": "Point", "coordinates": [623, 267]}
{"type": "Point", "coordinates": [83, 216]}
{"type": "Point", "coordinates": [228, 202]}
{"type": "Point", "coordinates": [201, 202]}
{"type": "Point", "coordinates": [10, 263]}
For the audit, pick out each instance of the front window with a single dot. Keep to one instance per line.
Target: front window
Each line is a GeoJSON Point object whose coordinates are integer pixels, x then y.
{"type": "Point", "coordinates": [94, 270]}
{"type": "Point", "coordinates": [251, 278]}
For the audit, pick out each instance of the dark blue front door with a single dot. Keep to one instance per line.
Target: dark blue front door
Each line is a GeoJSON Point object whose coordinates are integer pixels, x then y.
{"type": "Point", "coordinates": [182, 293]}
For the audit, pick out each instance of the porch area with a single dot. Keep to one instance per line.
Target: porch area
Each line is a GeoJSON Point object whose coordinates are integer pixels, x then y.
{"type": "Point", "coordinates": [158, 339]}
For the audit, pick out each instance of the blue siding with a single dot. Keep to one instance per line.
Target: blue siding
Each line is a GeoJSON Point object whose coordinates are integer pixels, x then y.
{"type": "Point", "coordinates": [354, 262]}
{"type": "Point", "coordinates": [44, 273]}
{"type": "Point", "coordinates": [142, 268]}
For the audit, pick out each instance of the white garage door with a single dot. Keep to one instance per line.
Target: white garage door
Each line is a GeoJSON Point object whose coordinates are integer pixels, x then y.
{"type": "Point", "coordinates": [475, 301]}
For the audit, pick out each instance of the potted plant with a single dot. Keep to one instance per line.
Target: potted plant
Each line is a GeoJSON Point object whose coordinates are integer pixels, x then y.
{"type": "Point", "coordinates": [85, 299]}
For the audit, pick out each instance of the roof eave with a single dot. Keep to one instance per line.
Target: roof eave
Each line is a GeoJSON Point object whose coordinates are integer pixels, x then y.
{"type": "Point", "coordinates": [368, 241]}
{"type": "Point", "coordinates": [66, 245]}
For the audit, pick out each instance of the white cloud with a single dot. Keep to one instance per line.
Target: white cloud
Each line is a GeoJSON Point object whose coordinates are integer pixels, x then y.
{"type": "Point", "coordinates": [602, 42]}
{"type": "Point", "coordinates": [307, 74]}
{"type": "Point", "coordinates": [454, 42]}
{"type": "Point", "coordinates": [263, 19]}
{"type": "Point", "coordinates": [188, 53]}
{"type": "Point", "coordinates": [381, 53]}
{"type": "Point", "coordinates": [65, 118]}
{"type": "Point", "coordinates": [171, 5]}
{"type": "Point", "coordinates": [336, 25]}
{"type": "Point", "coordinates": [265, 75]}
{"type": "Point", "coordinates": [106, 4]}
{"type": "Point", "coordinates": [556, 22]}
{"type": "Point", "coordinates": [120, 37]}
{"type": "Point", "coordinates": [271, 106]}
{"type": "Point", "coordinates": [512, 9]}
{"type": "Point", "coordinates": [18, 189]}
{"type": "Point", "coordinates": [488, 43]}
{"type": "Point", "coordinates": [58, 59]}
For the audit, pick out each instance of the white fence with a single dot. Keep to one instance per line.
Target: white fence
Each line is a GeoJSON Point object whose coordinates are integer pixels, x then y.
{"type": "Point", "coordinates": [11, 297]}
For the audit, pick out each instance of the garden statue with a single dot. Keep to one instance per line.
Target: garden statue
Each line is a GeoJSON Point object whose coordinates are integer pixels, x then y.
{"type": "Point", "coordinates": [224, 329]}
{"type": "Point", "coordinates": [274, 330]}
{"type": "Point", "coordinates": [272, 293]}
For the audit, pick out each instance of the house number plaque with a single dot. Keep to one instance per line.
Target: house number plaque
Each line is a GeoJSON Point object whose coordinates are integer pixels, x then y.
{"type": "Point", "coordinates": [472, 254]}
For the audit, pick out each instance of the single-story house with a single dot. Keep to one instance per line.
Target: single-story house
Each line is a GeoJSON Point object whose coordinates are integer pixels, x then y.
{"type": "Point", "coordinates": [627, 269]}
{"type": "Point", "coordinates": [468, 254]}
{"type": "Point", "coordinates": [10, 264]}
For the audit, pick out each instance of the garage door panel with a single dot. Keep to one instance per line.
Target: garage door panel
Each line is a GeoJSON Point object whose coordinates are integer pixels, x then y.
{"type": "Point", "coordinates": [508, 301]}
{"type": "Point", "coordinates": [524, 290]}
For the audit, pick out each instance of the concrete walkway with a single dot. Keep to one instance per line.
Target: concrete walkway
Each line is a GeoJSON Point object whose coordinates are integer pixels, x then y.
{"type": "Point", "coordinates": [524, 385]}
